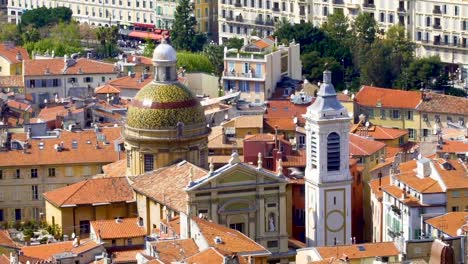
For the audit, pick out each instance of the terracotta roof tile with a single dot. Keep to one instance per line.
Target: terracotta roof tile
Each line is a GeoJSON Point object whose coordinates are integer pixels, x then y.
{"type": "Point", "coordinates": [361, 146]}
{"type": "Point", "coordinates": [246, 121]}
{"type": "Point", "coordinates": [57, 67]}
{"type": "Point", "coordinates": [397, 193]}
{"type": "Point", "coordinates": [6, 240]}
{"type": "Point", "coordinates": [175, 250]}
{"type": "Point", "coordinates": [9, 53]}
{"type": "Point", "coordinates": [172, 181]}
{"type": "Point", "coordinates": [126, 256]}
{"type": "Point", "coordinates": [47, 251]}
{"type": "Point", "coordinates": [126, 82]}
{"type": "Point", "coordinates": [4, 259]}
{"type": "Point", "coordinates": [378, 132]}
{"type": "Point", "coordinates": [449, 223]}
{"type": "Point", "coordinates": [408, 176]}
{"type": "Point", "coordinates": [84, 153]}
{"type": "Point", "coordinates": [115, 169]}
{"type": "Point", "coordinates": [261, 44]}
{"type": "Point", "coordinates": [233, 241]}
{"type": "Point", "coordinates": [387, 98]}
{"type": "Point", "coordinates": [299, 159]}
{"type": "Point", "coordinates": [371, 250]}
{"type": "Point", "coordinates": [209, 255]}
{"type": "Point", "coordinates": [441, 103]}
{"type": "Point", "coordinates": [118, 228]}
{"type": "Point", "coordinates": [456, 177]}
{"type": "Point", "coordinates": [223, 159]}
{"type": "Point", "coordinates": [21, 106]}
{"type": "Point", "coordinates": [282, 112]}
{"type": "Point", "coordinates": [92, 191]}
{"type": "Point", "coordinates": [376, 189]}
{"type": "Point", "coordinates": [11, 81]}
{"type": "Point", "coordinates": [143, 60]}
{"type": "Point", "coordinates": [451, 146]}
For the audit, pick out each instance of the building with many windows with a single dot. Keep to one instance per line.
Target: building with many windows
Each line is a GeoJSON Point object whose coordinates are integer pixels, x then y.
{"type": "Point", "coordinates": [438, 27]}
{"type": "Point", "coordinates": [206, 13]}
{"type": "Point", "coordinates": [31, 164]}
{"type": "Point", "coordinates": [256, 69]}
{"type": "Point", "coordinates": [247, 18]}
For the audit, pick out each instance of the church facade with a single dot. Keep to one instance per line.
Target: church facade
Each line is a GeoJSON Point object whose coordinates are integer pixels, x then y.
{"type": "Point", "coordinates": [327, 177]}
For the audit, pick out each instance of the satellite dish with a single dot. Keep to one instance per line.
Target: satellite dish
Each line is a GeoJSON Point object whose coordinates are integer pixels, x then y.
{"type": "Point", "coordinates": [346, 91]}
{"type": "Point", "coordinates": [73, 235]}
{"type": "Point", "coordinates": [367, 124]}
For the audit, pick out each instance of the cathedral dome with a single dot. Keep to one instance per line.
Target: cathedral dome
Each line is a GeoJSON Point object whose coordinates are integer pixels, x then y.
{"type": "Point", "coordinates": [164, 52]}
{"type": "Point", "coordinates": [162, 106]}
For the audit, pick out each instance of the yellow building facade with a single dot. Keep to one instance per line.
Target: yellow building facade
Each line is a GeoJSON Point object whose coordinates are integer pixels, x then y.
{"type": "Point", "coordinates": [11, 59]}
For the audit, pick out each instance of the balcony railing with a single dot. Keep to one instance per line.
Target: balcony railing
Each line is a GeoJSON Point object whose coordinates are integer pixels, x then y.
{"type": "Point", "coordinates": [269, 23]}
{"type": "Point", "coordinates": [229, 18]}
{"type": "Point", "coordinates": [338, 2]}
{"type": "Point", "coordinates": [276, 9]}
{"type": "Point", "coordinates": [259, 21]}
{"type": "Point", "coordinates": [238, 4]}
{"type": "Point", "coordinates": [239, 18]}
{"type": "Point", "coordinates": [401, 10]}
{"type": "Point", "coordinates": [369, 5]}
{"type": "Point", "coordinates": [436, 11]}
{"type": "Point", "coordinates": [242, 75]}
{"type": "Point", "coordinates": [437, 26]}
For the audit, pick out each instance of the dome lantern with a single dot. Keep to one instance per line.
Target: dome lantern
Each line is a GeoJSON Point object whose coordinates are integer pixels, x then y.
{"type": "Point", "coordinates": [164, 61]}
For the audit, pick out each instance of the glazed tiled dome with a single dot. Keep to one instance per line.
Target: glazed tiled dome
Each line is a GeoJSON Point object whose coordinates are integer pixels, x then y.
{"type": "Point", "coordinates": [163, 106]}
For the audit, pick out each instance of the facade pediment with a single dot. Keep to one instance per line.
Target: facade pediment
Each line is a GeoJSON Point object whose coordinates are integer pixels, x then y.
{"type": "Point", "coordinates": [236, 175]}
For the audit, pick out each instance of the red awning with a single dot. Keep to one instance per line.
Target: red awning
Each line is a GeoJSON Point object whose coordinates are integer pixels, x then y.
{"type": "Point", "coordinates": [143, 25]}
{"type": "Point", "coordinates": [145, 35]}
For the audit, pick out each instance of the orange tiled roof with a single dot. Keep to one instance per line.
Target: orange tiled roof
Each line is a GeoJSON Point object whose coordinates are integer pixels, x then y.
{"type": "Point", "coordinates": [118, 228]}
{"type": "Point", "coordinates": [47, 251]}
{"type": "Point", "coordinates": [456, 177]}
{"type": "Point", "coordinates": [4, 259]}
{"type": "Point", "coordinates": [361, 146]}
{"type": "Point", "coordinates": [175, 250]}
{"type": "Point", "coordinates": [449, 223]}
{"type": "Point", "coordinates": [408, 176]}
{"type": "Point", "coordinates": [452, 146]}
{"type": "Point", "coordinates": [126, 256]}
{"type": "Point", "coordinates": [223, 159]}
{"type": "Point", "coordinates": [106, 89]}
{"type": "Point", "coordinates": [371, 250]}
{"type": "Point", "coordinates": [9, 53]}
{"type": "Point", "coordinates": [409, 146]}
{"type": "Point", "coordinates": [261, 44]}
{"type": "Point", "coordinates": [441, 103]}
{"type": "Point", "coordinates": [143, 60]}
{"type": "Point", "coordinates": [378, 132]}
{"type": "Point", "coordinates": [85, 153]}
{"type": "Point", "coordinates": [233, 241]}
{"type": "Point", "coordinates": [92, 191]}
{"type": "Point", "coordinates": [172, 181]}
{"type": "Point", "coordinates": [387, 98]}
{"type": "Point", "coordinates": [299, 159]}
{"type": "Point", "coordinates": [397, 193]}
{"type": "Point", "coordinates": [281, 113]}
{"type": "Point", "coordinates": [19, 106]}
{"type": "Point", "coordinates": [126, 82]}
{"type": "Point", "coordinates": [6, 241]}
{"type": "Point", "coordinates": [57, 67]}
{"type": "Point", "coordinates": [216, 141]}
{"type": "Point", "coordinates": [11, 81]}
{"type": "Point", "coordinates": [376, 189]}
{"type": "Point", "coordinates": [209, 255]}
{"type": "Point", "coordinates": [115, 169]}
{"type": "Point", "coordinates": [246, 121]}
{"type": "Point", "coordinates": [173, 224]}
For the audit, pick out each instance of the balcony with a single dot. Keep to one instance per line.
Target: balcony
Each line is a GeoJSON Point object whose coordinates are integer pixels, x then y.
{"type": "Point", "coordinates": [369, 5]}
{"type": "Point", "coordinates": [436, 11]}
{"type": "Point", "coordinates": [239, 18]}
{"type": "Point", "coordinates": [437, 26]}
{"type": "Point", "coordinates": [237, 4]}
{"type": "Point", "coordinates": [242, 75]}
{"type": "Point", "coordinates": [259, 21]}
{"type": "Point", "coordinates": [245, 56]}
{"type": "Point", "coordinates": [269, 23]}
{"type": "Point", "coordinates": [229, 18]}
{"type": "Point", "coordinates": [338, 2]}
{"type": "Point", "coordinates": [401, 10]}
{"type": "Point", "coordinates": [275, 9]}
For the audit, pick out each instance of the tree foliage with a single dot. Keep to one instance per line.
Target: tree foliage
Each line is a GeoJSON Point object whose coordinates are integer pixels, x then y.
{"type": "Point", "coordinates": [107, 37]}
{"type": "Point", "coordinates": [43, 16]}
{"type": "Point", "coordinates": [194, 62]}
{"type": "Point", "coordinates": [149, 48]}
{"type": "Point", "coordinates": [183, 34]}
{"type": "Point", "coordinates": [234, 43]}
{"type": "Point", "coordinates": [215, 54]}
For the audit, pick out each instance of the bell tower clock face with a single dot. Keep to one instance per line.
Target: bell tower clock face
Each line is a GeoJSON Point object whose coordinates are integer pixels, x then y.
{"type": "Point", "coordinates": [335, 221]}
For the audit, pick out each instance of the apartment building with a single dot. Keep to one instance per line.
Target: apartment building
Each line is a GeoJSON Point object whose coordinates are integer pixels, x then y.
{"type": "Point", "coordinates": [246, 18]}
{"type": "Point", "coordinates": [421, 189]}
{"type": "Point", "coordinates": [206, 13]}
{"type": "Point", "coordinates": [258, 67]}
{"type": "Point", "coordinates": [63, 77]}
{"type": "Point", "coordinates": [11, 59]}
{"type": "Point", "coordinates": [93, 12]}
{"type": "Point", "coordinates": [438, 27]}
{"type": "Point", "coordinates": [34, 162]}
{"type": "Point", "coordinates": [422, 114]}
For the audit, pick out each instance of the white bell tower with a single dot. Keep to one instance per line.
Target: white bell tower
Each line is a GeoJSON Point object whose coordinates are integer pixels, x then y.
{"type": "Point", "coordinates": [327, 177]}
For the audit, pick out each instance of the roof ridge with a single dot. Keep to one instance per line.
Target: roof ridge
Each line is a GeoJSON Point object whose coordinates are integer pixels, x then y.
{"type": "Point", "coordinates": [77, 189]}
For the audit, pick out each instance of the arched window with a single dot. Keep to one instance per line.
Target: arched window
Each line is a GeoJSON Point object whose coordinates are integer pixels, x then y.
{"type": "Point", "coordinates": [333, 152]}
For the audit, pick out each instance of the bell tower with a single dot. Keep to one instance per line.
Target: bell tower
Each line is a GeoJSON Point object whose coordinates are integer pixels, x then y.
{"type": "Point", "coordinates": [327, 177]}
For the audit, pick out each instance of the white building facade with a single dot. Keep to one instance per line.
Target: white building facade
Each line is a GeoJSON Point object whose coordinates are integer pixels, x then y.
{"type": "Point", "coordinates": [104, 12]}
{"type": "Point", "coordinates": [246, 18]}
{"type": "Point", "coordinates": [327, 177]}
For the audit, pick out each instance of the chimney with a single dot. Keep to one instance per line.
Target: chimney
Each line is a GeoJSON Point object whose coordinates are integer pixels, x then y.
{"type": "Point", "coordinates": [19, 56]}
{"type": "Point", "coordinates": [362, 118]}
{"type": "Point", "coordinates": [423, 167]}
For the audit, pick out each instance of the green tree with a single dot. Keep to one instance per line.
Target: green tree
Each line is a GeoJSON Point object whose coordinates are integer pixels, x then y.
{"type": "Point", "coordinates": [215, 54]}
{"type": "Point", "coordinates": [183, 34]}
{"type": "Point", "coordinates": [365, 28]}
{"type": "Point", "coordinates": [307, 35]}
{"type": "Point", "coordinates": [234, 43]}
{"type": "Point", "coordinates": [149, 48]}
{"type": "Point", "coordinates": [66, 33]}
{"type": "Point", "coordinates": [10, 32]}
{"type": "Point", "coordinates": [427, 73]}
{"type": "Point", "coordinates": [43, 16]}
{"type": "Point", "coordinates": [194, 62]}
{"type": "Point", "coordinates": [107, 37]}
{"type": "Point", "coordinates": [337, 27]}
{"type": "Point", "coordinates": [313, 66]}
{"type": "Point", "coordinates": [31, 34]}
{"type": "Point", "coordinates": [377, 69]}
